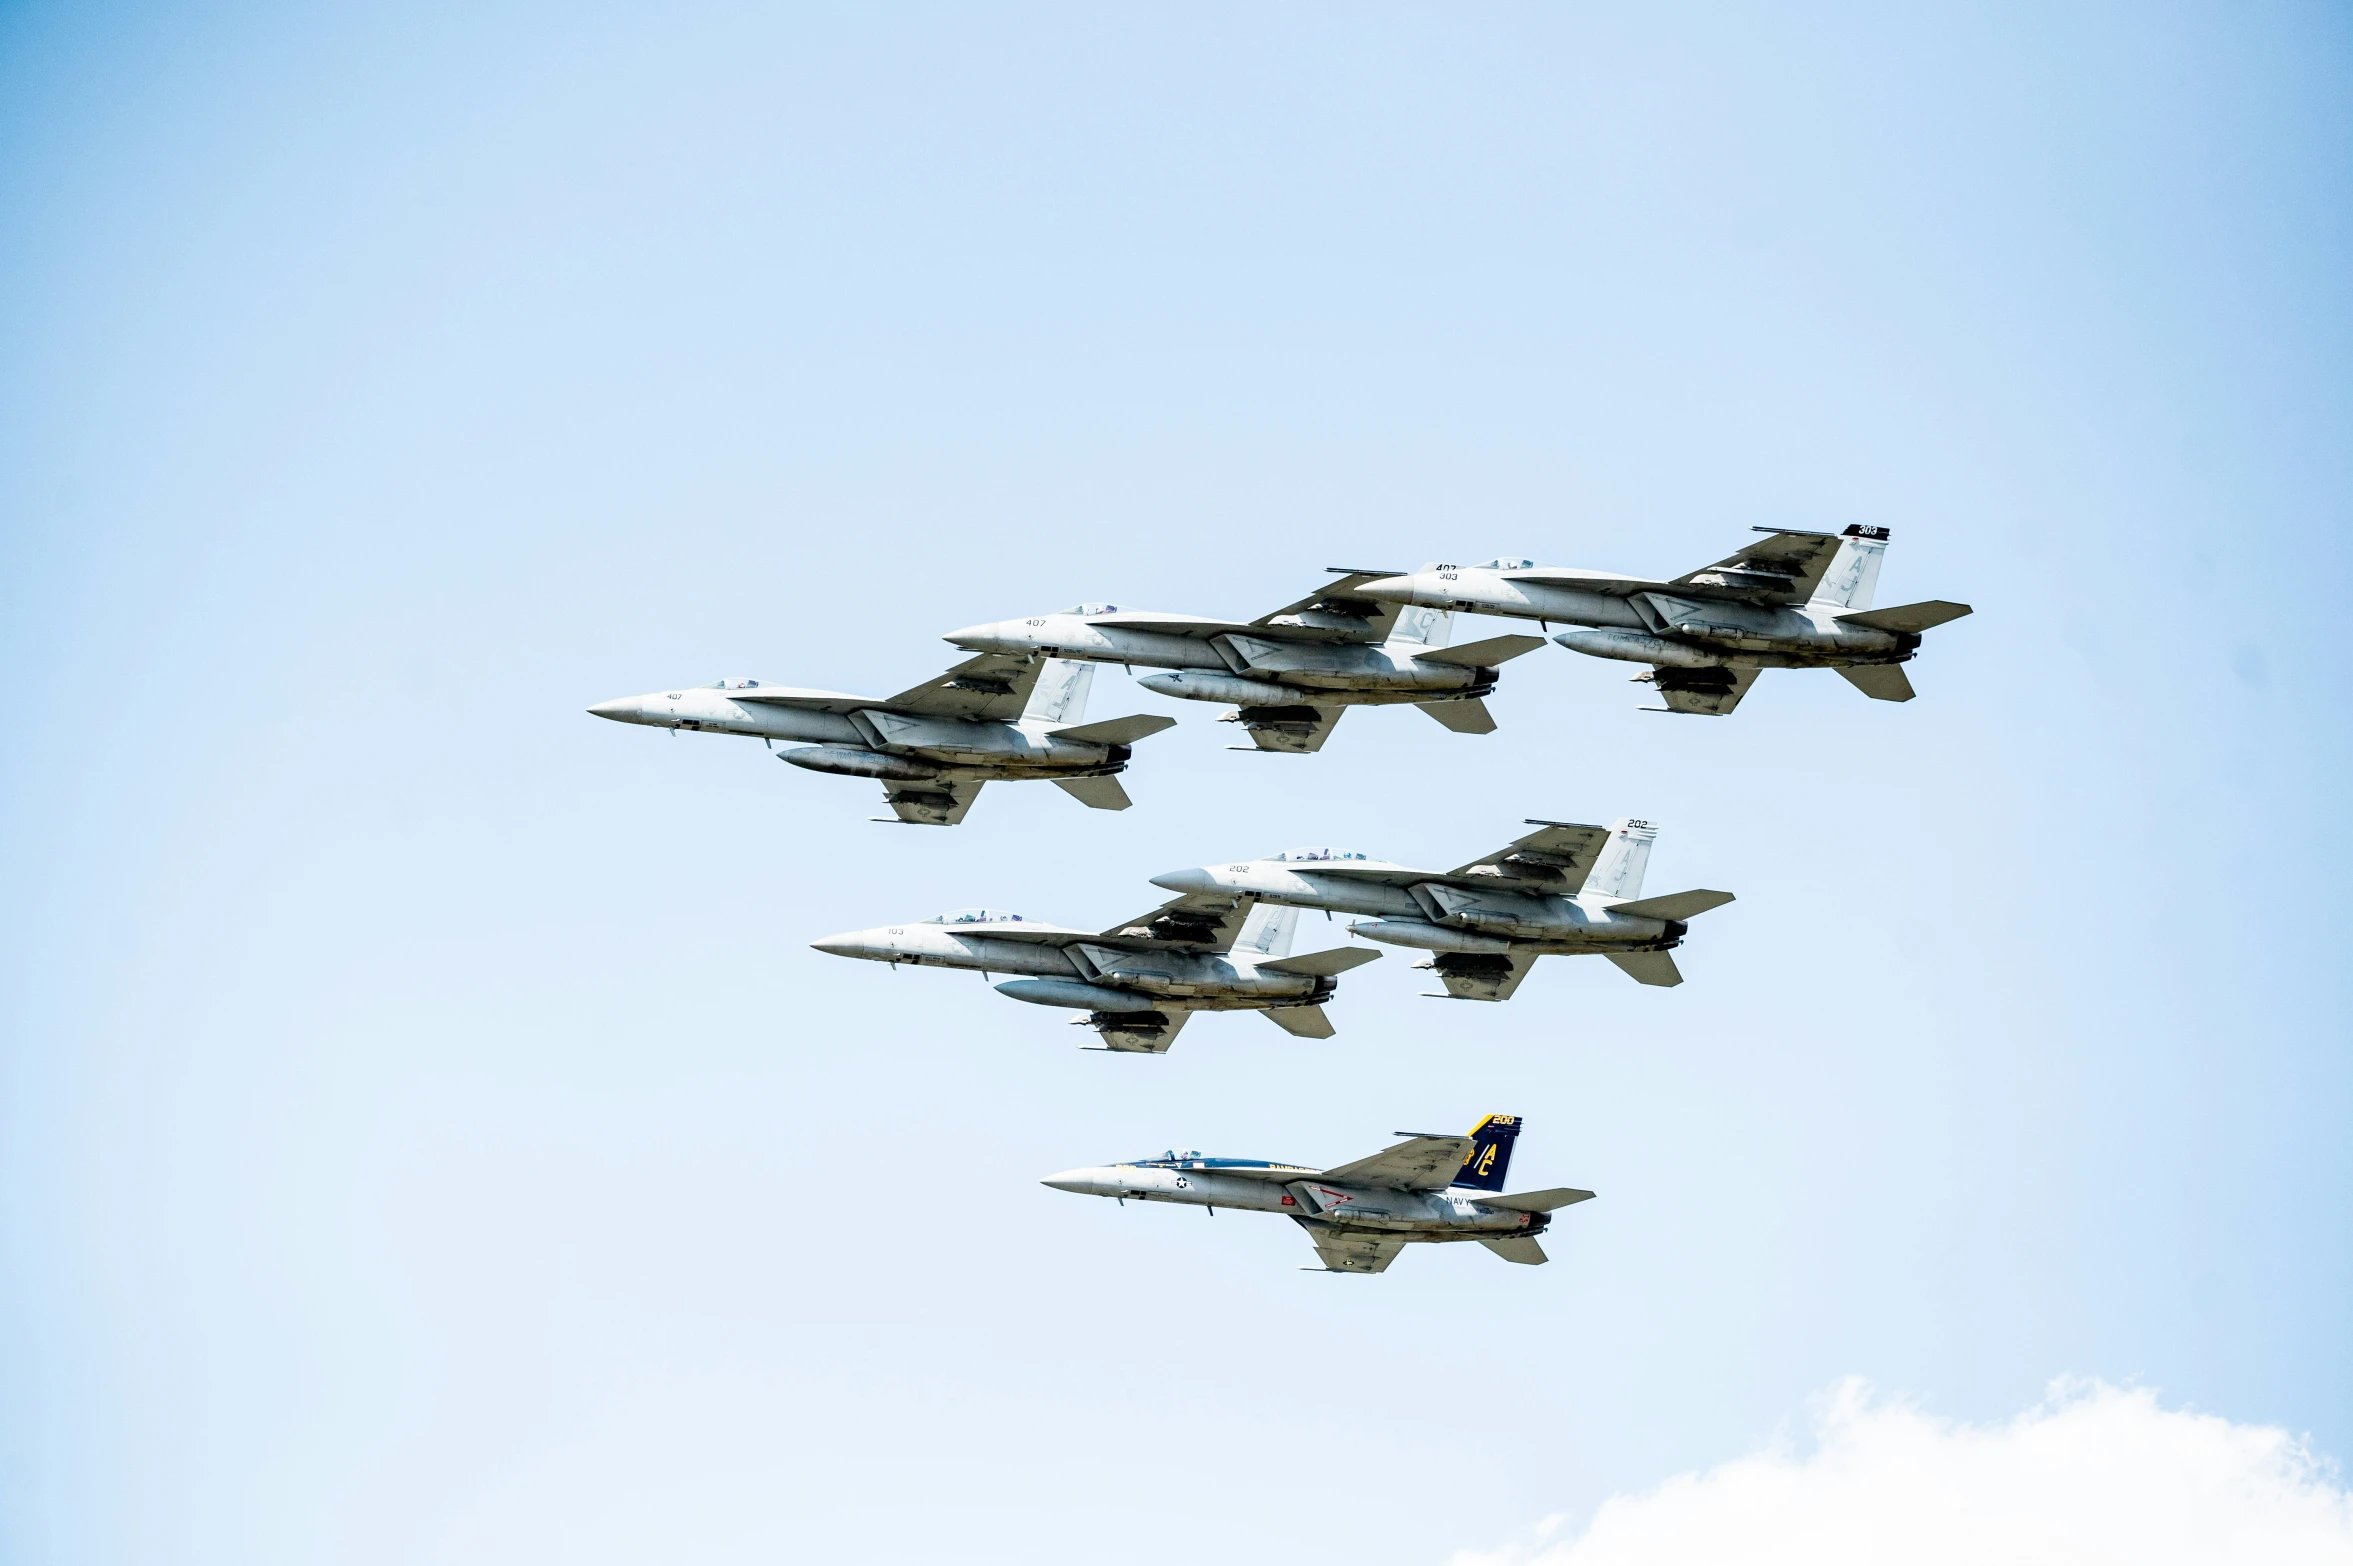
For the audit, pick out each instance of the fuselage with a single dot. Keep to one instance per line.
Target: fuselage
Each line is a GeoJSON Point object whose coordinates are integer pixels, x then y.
{"type": "Point", "coordinates": [1654, 624]}
{"type": "Point", "coordinates": [1295, 1191]}
{"type": "Point", "coordinates": [1436, 914]}
{"type": "Point", "coordinates": [1072, 968]}
{"type": "Point", "coordinates": [1236, 668]}
{"type": "Point", "coordinates": [912, 746]}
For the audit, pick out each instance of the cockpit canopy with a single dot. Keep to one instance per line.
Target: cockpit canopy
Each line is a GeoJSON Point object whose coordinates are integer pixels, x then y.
{"type": "Point", "coordinates": [975, 916]}
{"type": "Point", "coordinates": [733, 685]}
{"type": "Point", "coordinates": [1508, 565]}
{"type": "Point", "coordinates": [1085, 609]}
{"type": "Point", "coordinates": [1312, 856]}
{"type": "Point", "coordinates": [1172, 1156]}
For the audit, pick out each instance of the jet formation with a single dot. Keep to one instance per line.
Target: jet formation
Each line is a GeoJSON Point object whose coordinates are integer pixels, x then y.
{"type": "Point", "coordinates": [1224, 943]}
{"type": "Point", "coordinates": [1015, 711]}
{"type": "Point", "coordinates": [1429, 1188]}
{"type": "Point", "coordinates": [1793, 600]}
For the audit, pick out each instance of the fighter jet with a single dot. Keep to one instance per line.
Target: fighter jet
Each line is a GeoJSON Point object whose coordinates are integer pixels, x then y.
{"type": "Point", "coordinates": [1791, 601]}
{"type": "Point", "coordinates": [931, 747]}
{"type": "Point", "coordinates": [1360, 1215]}
{"type": "Point", "coordinates": [1137, 981]}
{"type": "Point", "coordinates": [1564, 889]}
{"type": "Point", "coordinates": [1289, 674]}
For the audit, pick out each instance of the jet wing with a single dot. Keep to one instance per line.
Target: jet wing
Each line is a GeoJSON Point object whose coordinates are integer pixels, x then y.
{"type": "Point", "coordinates": [1781, 568]}
{"type": "Point", "coordinates": [1556, 858]}
{"type": "Point", "coordinates": [1204, 923]}
{"type": "Point", "coordinates": [993, 687]}
{"type": "Point", "coordinates": [1341, 1251]}
{"type": "Point", "coordinates": [1707, 693]}
{"type": "Point", "coordinates": [1333, 613]}
{"type": "Point", "coordinates": [1424, 1163]}
{"type": "Point", "coordinates": [931, 804]}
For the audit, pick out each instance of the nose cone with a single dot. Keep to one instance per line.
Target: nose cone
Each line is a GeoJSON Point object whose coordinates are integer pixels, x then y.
{"type": "Point", "coordinates": [621, 709]}
{"type": "Point", "coordinates": [1079, 1182]}
{"type": "Point", "coordinates": [998, 636]}
{"type": "Point", "coordinates": [853, 943]}
{"type": "Point", "coordinates": [1186, 881]}
{"type": "Point", "coordinates": [1387, 589]}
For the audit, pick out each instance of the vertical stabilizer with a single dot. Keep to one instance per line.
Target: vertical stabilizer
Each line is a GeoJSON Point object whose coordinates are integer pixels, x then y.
{"type": "Point", "coordinates": [1427, 629]}
{"type": "Point", "coordinates": [1854, 571]}
{"type": "Point", "coordinates": [1060, 696]}
{"type": "Point", "coordinates": [1489, 1159]}
{"type": "Point", "coordinates": [1268, 931]}
{"type": "Point", "coordinates": [1617, 869]}
{"type": "Point", "coordinates": [1420, 627]}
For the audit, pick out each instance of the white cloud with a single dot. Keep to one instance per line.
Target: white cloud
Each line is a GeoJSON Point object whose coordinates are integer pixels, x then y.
{"type": "Point", "coordinates": [2095, 1475]}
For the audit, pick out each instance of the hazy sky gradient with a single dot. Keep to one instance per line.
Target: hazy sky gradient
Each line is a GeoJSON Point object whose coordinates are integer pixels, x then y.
{"type": "Point", "coordinates": [428, 1135]}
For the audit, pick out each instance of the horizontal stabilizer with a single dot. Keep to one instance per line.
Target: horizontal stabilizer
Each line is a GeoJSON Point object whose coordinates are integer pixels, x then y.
{"type": "Point", "coordinates": [1322, 964]}
{"type": "Point", "coordinates": [1879, 681]}
{"type": "Point", "coordinates": [1907, 619]}
{"type": "Point", "coordinates": [1096, 793]}
{"type": "Point", "coordinates": [1647, 967]}
{"type": "Point", "coordinates": [1463, 717]}
{"type": "Point", "coordinates": [1521, 1248]}
{"type": "Point", "coordinates": [1115, 731]}
{"type": "Point", "coordinates": [1537, 1201]}
{"type": "Point", "coordinates": [1481, 655]}
{"type": "Point", "coordinates": [1303, 1022]}
{"type": "Point", "coordinates": [1674, 905]}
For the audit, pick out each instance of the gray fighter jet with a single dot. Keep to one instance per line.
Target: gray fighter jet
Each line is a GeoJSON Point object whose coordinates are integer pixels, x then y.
{"type": "Point", "coordinates": [1137, 981]}
{"type": "Point", "coordinates": [1432, 1187]}
{"type": "Point", "coordinates": [1790, 601]}
{"type": "Point", "coordinates": [992, 717]}
{"type": "Point", "coordinates": [1289, 674]}
{"type": "Point", "coordinates": [1564, 889]}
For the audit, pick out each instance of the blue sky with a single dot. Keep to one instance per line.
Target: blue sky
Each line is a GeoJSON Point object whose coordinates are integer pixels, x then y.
{"type": "Point", "coordinates": [427, 1135]}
